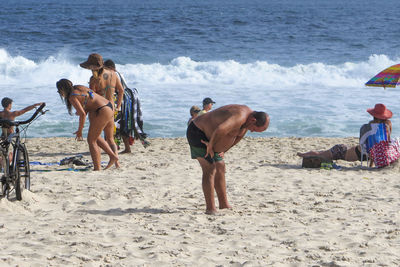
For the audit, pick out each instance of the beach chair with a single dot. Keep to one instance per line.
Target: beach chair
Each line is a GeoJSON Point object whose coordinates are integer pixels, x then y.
{"type": "Point", "coordinates": [371, 134]}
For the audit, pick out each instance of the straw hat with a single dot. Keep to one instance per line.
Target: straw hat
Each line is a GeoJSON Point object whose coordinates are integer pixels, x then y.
{"type": "Point", "coordinates": [380, 111]}
{"type": "Point", "coordinates": [94, 62]}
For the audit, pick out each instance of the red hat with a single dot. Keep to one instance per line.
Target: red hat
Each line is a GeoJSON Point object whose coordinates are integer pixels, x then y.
{"type": "Point", "coordinates": [380, 111]}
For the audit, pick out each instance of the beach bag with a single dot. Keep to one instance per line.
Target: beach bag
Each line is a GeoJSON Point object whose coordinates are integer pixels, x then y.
{"type": "Point", "coordinates": [76, 160]}
{"type": "Point", "coordinates": [385, 152]}
{"type": "Point", "coordinates": [313, 162]}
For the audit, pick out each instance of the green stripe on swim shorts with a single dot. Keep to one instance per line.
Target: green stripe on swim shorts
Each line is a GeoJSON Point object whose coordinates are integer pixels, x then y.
{"type": "Point", "coordinates": [199, 152]}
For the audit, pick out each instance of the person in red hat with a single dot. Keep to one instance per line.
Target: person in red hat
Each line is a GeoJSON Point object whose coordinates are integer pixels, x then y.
{"type": "Point", "coordinates": [379, 113]}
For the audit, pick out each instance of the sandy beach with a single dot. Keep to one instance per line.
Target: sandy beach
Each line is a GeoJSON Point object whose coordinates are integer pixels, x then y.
{"type": "Point", "coordinates": [150, 212]}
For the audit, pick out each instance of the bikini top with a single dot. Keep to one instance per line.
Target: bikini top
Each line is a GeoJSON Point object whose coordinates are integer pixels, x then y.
{"type": "Point", "coordinates": [90, 94]}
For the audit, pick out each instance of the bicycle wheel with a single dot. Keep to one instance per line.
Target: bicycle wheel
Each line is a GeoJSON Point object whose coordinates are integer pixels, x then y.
{"type": "Point", "coordinates": [22, 172]}
{"type": "Point", "coordinates": [24, 168]}
{"type": "Point", "coordinates": [5, 189]}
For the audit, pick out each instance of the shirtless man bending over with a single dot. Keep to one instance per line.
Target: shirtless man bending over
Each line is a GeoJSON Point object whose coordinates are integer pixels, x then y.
{"type": "Point", "coordinates": [211, 135]}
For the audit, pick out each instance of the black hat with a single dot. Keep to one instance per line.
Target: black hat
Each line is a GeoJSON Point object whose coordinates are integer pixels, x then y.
{"type": "Point", "coordinates": [207, 101]}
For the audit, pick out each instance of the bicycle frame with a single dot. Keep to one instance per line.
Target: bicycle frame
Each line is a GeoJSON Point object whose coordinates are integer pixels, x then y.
{"type": "Point", "coordinates": [11, 178]}
{"type": "Point", "coordinates": [5, 166]}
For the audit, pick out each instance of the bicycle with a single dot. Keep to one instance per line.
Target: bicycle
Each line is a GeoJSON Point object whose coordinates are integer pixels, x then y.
{"type": "Point", "coordinates": [15, 175]}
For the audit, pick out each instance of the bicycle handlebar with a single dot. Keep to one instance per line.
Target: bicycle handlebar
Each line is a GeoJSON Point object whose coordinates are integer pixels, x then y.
{"type": "Point", "coordinates": [9, 123]}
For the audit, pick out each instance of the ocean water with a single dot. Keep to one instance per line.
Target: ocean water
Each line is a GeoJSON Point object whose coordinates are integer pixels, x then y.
{"type": "Point", "coordinates": [303, 62]}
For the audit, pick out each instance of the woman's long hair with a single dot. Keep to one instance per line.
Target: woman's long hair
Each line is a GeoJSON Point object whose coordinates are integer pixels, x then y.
{"type": "Point", "coordinates": [387, 122]}
{"type": "Point", "coordinates": [66, 87]}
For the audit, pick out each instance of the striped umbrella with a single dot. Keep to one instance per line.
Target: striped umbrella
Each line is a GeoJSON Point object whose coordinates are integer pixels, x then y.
{"type": "Point", "coordinates": [387, 78]}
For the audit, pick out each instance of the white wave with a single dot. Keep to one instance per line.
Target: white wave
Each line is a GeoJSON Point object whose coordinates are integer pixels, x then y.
{"type": "Point", "coordinates": [303, 99]}
{"type": "Point", "coordinates": [183, 70]}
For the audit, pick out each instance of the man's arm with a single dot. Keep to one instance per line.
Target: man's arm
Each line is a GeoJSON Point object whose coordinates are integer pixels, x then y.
{"type": "Point", "coordinates": [232, 124]}
{"type": "Point", "coordinates": [23, 111]}
{"type": "Point", "coordinates": [238, 138]}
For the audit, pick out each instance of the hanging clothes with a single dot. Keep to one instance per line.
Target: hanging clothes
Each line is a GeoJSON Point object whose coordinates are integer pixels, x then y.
{"type": "Point", "coordinates": [130, 121]}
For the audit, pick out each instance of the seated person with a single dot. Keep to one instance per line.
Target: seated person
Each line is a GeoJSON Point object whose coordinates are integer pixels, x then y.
{"type": "Point", "coordinates": [340, 151]}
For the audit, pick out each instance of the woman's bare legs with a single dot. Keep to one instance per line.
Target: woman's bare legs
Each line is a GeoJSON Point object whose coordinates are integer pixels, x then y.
{"type": "Point", "coordinates": [109, 137]}
{"type": "Point", "coordinates": [93, 134]}
{"type": "Point", "coordinates": [109, 131]}
{"type": "Point", "coordinates": [99, 121]}
{"type": "Point", "coordinates": [106, 147]}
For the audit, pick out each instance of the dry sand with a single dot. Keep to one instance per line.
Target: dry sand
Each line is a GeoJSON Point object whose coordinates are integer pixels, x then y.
{"type": "Point", "coordinates": [150, 212]}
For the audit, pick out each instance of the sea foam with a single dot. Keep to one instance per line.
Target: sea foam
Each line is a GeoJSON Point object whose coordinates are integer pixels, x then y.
{"type": "Point", "coordinates": [314, 99]}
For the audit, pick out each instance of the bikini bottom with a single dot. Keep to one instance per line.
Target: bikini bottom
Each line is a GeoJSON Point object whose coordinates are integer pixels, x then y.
{"type": "Point", "coordinates": [108, 105]}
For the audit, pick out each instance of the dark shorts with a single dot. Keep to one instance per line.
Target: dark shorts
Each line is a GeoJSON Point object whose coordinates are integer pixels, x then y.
{"type": "Point", "coordinates": [339, 151]}
{"type": "Point", "coordinates": [197, 149]}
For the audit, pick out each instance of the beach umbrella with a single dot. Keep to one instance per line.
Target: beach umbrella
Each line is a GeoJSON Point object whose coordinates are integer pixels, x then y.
{"type": "Point", "coordinates": [387, 78]}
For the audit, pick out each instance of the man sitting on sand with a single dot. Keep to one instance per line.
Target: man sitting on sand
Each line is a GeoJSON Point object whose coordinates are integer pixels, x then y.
{"type": "Point", "coordinates": [6, 113]}
{"type": "Point", "coordinates": [211, 135]}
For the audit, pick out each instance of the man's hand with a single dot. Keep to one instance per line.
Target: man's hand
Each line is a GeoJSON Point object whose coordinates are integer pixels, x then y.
{"type": "Point", "coordinates": [210, 151]}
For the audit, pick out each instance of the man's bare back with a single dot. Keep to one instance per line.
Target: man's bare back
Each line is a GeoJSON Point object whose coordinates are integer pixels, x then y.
{"type": "Point", "coordinates": [228, 120]}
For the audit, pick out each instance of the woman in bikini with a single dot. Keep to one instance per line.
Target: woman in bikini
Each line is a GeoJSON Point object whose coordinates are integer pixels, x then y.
{"type": "Point", "coordinates": [101, 117]}
{"type": "Point", "coordinates": [106, 83]}
{"type": "Point", "coordinates": [353, 153]}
